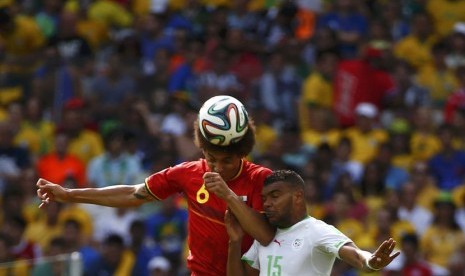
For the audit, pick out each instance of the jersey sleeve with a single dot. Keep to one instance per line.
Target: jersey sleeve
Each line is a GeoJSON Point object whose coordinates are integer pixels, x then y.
{"type": "Point", "coordinates": [166, 182]}
{"type": "Point", "coordinates": [331, 239]}
{"type": "Point", "coordinates": [251, 256]}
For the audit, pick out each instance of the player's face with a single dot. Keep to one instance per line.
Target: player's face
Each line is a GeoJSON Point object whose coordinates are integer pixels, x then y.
{"type": "Point", "coordinates": [226, 164]}
{"type": "Point", "coordinates": [277, 204]}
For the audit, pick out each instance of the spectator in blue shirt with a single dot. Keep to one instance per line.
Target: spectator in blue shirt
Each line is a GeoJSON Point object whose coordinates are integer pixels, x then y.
{"type": "Point", "coordinates": [349, 25]}
{"type": "Point", "coordinates": [448, 166]}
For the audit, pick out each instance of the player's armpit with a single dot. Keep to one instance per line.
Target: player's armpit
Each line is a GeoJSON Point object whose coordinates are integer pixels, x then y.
{"type": "Point", "coordinates": [143, 193]}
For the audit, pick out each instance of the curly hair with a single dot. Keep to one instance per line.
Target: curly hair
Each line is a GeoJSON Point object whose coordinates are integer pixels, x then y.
{"type": "Point", "coordinates": [241, 148]}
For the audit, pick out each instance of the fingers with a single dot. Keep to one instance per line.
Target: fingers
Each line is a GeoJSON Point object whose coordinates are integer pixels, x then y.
{"type": "Point", "coordinates": [208, 175]}
{"type": "Point", "coordinates": [43, 204]}
{"type": "Point", "coordinates": [42, 182]}
{"type": "Point", "coordinates": [382, 256]}
{"type": "Point", "coordinates": [43, 191]}
{"type": "Point", "coordinates": [392, 245]}
{"type": "Point", "coordinates": [386, 247]}
{"type": "Point", "coordinates": [45, 200]}
{"type": "Point", "coordinates": [395, 255]}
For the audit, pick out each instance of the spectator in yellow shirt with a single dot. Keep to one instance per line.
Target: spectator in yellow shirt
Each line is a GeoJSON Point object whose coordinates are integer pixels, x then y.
{"type": "Point", "coordinates": [423, 141]}
{"type": "Point", "coordinates": [111, 13]}
{"type": "Point", "coordinates": [94, 31]}
{"type": "Point", "coordinates": [425, 186]}
{"type": "Point", "coordinates": [20, 37]}
{"type": "Point", "coordinates": [415, 48]}
{"type": "Point", "coordinates": [84, 143]}
{"type": "Point", "coordinates": [437, 77]}
{"type": "Point", "coordinates": [365, 137]}
{"type": "Point", "coordinates": [445, 13]}
{"type": "Point", "coordinates": [399, 136]}
{"type": "Point", "coordinates": [444, 236]}
{"type": "Point", "coordinates": [20, 43]}
{"type": "Point", "coordinates": [316, 102]}
{"type": "Point", "coordinates": [322, 130]}
{"type": "Point", "coordinates": [387, 225]}
{"type": "Point", "coordinates": [43, 230]}
{"type": "Point", "coordinates": [265, 134]}
{"type": "Point", "coordinates": [317, 88]}
{"type": "Point", "coordinates": [32, 131]}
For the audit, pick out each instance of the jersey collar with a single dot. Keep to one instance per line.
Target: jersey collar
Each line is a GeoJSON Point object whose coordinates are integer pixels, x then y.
{"type": "Point", "coordinates": [239, 172]}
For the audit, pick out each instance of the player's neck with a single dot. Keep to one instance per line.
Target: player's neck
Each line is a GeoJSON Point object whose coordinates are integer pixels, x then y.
{"type": "Point", "coordinates": [300, 215]}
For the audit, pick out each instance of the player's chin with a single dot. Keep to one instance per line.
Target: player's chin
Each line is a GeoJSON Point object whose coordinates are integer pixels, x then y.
{"type": "Point", "coordinates": [272, 218]}
{"type": "Point", "coordinates": [227, 176]}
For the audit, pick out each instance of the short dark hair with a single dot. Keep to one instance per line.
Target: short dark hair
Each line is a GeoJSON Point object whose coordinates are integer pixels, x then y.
{"type": "Point", "coordinates": [114, 239]}
{"type": "Point", "coordinates": [289, 176]}
{"type": "Point", "coordinates": [5, 16]}
{"type": "Point", "coordinates": [6, 240]}
{"type": "Point", "coordinates": [114, 134]}
{"type": "Point", "coordinates": [58, 242]}
{"type": "Point", "coordinates": [73, 223]}
{"type": "Point", "coordinates": [17, 221]}
{"type": "Point", "coordinates": [410, 238]}
{"type": "Point", "coordinates": [242, 148]}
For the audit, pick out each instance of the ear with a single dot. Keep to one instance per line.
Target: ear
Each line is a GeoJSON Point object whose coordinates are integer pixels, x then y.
{"type": "Point", "coordinates": [299, 195]}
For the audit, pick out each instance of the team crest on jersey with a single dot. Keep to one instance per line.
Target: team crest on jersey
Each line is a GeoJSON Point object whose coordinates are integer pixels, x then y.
{"type": "Point", "coordinates": [297, 244]}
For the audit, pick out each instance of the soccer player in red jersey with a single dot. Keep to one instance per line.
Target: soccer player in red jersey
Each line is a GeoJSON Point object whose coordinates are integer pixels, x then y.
{"type": "Point", "coordinates": [223, 179]}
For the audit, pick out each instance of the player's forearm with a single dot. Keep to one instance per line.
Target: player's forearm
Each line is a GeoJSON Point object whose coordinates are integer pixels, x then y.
{"type": "Point", "coordinates": [355, 257]}
{"type": "Point", "coordinates": [235, 266]}
{"type": "Point", "coordinates": [254, 223]}
{"type": "Point", "coordinates": [113, 196]}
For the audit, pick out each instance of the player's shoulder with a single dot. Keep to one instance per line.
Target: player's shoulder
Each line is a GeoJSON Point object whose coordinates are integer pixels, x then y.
{"type": "Point", "coordinates": [311, 223]}
{"type": "Point", "coordinates": [192, 165]}
{"type": "Point", "coordinates": [252, 167]}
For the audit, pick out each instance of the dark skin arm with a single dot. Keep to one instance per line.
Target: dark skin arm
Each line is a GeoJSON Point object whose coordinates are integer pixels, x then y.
{"type": "Point", "coordinates": [235, 266]}
{"type": "Point", "coordinates": [251, 221]}
{"type": "Point", "coordinates": [122, 196]}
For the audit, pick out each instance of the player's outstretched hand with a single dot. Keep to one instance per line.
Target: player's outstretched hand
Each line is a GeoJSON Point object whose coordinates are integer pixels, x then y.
{"type": "Point", "coordinates": [48, 191]}
{"type": "Point", "coordinates": [382, 256]}
{"type": "Point", "coordinates": [233, 227]}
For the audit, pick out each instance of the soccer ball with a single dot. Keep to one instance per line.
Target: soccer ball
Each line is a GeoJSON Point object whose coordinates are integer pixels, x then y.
{"type": "Point", "coordinates": [223, 120]}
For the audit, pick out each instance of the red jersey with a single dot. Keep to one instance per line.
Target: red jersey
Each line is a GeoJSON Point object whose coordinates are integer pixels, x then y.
{"type": "Point", "coordinates": [417, 269]}
{"type": "Point", "coordinates": [455, 101]}
{"type": "Point", "coordinates": [207, 236]}
{"type": "Point", "coordinates": [26, 250]}
{"type": "Point", "coordinates": [356, 81]}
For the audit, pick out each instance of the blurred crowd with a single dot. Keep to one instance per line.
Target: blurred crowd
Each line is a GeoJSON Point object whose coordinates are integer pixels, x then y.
{"type": "Point", "coordinates": [364, 98]}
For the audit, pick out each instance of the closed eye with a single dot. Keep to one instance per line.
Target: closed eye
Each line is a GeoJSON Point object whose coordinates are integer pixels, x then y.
{"type": "Point", "coordinates": [272, 194]}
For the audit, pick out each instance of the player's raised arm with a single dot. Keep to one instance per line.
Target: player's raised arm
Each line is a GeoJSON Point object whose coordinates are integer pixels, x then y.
{"type": "Point", "coordinates": [254, 223]}
{"type": "Point", "coordinates": [112, 196]}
